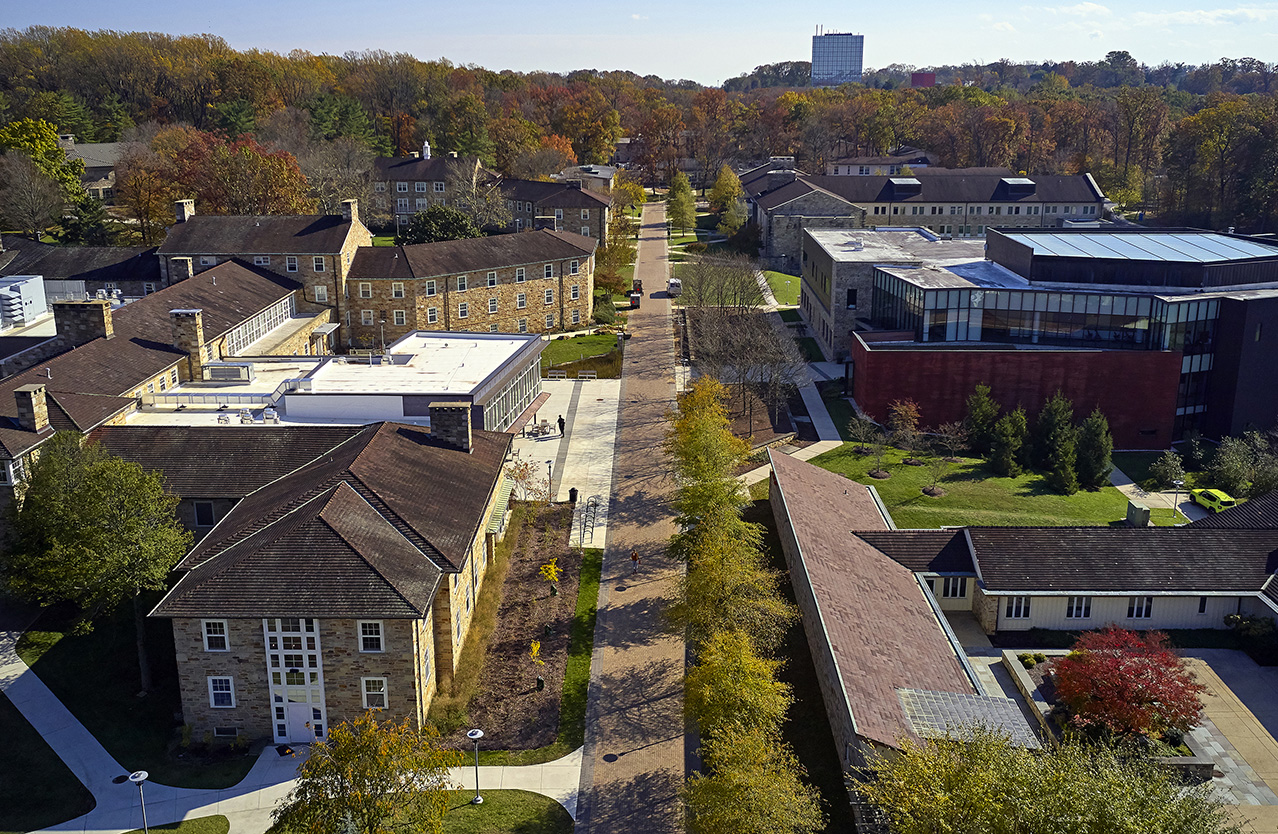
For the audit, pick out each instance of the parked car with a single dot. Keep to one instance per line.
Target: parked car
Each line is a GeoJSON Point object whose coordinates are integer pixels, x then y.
{"type": "Point", "coordinates": [673, 287]}
{"type": "Point", "coordinates": [1212, 499]}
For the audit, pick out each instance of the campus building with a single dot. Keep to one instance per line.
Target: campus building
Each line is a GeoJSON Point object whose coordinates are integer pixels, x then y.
{"type": "Point", "coordinates": [837, 58]}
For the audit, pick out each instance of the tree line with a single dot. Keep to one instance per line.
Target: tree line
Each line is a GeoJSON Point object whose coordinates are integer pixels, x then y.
{"type": "Point", "coordinates": [1193, 145]}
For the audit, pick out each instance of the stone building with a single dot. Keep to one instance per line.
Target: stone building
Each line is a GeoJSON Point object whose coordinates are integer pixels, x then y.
{"type": "Point", "coordinates": [562, 206]}
{"type": "Point", "coordinates": [76, 272]}
{"type": "Point", "coordinates": [348, 584]}
{"type": "Point", "coordinates": [535, 282]}
{"type": "Point", "coordinates": [405, 185]}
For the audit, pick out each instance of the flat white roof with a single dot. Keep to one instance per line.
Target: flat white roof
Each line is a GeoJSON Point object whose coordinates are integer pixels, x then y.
{"type": "Point", "coordinates": [424, 363]}
{"type": "Point", "coordinates": [899, 244]}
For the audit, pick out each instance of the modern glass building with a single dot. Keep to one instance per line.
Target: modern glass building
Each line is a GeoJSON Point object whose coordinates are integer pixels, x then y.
{"type": "Point", "coordinates": [837, 59]}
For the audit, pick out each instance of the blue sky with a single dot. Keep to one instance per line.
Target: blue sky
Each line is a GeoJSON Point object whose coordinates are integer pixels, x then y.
{"type": "Point", "coordinates": [706, 42]}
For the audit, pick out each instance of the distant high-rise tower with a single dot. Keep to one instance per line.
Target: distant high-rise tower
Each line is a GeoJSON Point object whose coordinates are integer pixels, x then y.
{"type": "Point", "coordinates": [836, 59]}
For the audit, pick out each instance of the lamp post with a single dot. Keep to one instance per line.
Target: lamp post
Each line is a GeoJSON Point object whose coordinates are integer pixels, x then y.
{"type": "Point", "coordinates": [475, 736]}
{"type": "Point", "coordinates": [1176, 501]}
{"type": "Point", "coordinates": [550, 480]}
{"type": "Point", "coordinates": [138, 777]}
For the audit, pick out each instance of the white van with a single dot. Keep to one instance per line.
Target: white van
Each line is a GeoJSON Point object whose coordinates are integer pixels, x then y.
{"type": "Point", "coordinates": [673, 287]}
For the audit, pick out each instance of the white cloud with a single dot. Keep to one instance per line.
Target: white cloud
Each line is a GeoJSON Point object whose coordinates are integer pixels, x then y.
{"type": "Point", "coordinates": [638, 17]}
{"type": "Point", "coordinates": [1205, 17]}
{"type": "Point", "coordinates": [1085, 9]}
{"type": "Point", "coordinates": [1004, 26]}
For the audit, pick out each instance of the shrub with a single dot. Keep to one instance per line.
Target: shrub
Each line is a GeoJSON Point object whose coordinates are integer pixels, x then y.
{"type": "Point", "coordinates": [1039, 657]}
{"type": "Point", "coordinates": [1027, 659]}
{"type": "Point", "coordinates": [696, 248]}
{"type": "Point", "coordinates": [605, 312]}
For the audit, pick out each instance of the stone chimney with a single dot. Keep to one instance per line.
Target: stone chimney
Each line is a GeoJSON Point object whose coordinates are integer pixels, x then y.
{"type": "Point", "coordinates": [184, 210]}
{"type": "Point", "coordinates": [180, 269]}
{"type": "Point", "coordinates": [350, 211]}
{"type": "Point", "coordinates": [450, 424]}
{"type": "Point", "coordinates": [776, 179]}
{"type": "Point", "coordinates": [33, 409]}
{"type": "Point", "coordinates": [188, 337]}
{"type": "Point", "coordinates": [80, 322]}
{"type": "Point", "coordinates": [452, 154]}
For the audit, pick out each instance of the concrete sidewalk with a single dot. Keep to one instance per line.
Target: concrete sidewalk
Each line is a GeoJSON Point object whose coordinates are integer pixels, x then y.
{"type": "Point", "coordinates": [1166, 499]}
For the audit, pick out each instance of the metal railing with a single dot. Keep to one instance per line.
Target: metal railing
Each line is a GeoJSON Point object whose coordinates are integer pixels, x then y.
{"type": "Point", "coordinates": [227, 398]}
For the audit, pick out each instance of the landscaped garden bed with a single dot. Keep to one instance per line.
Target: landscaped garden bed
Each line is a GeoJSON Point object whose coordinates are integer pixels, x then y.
{"type": "Point", "coordinates": [497, 687]}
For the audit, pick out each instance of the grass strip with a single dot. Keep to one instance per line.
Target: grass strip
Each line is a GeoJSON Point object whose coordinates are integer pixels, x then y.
{"type": "Point", "coordinates": [507, 811]}
{"type": "Point", "coordinates": [216, 824]}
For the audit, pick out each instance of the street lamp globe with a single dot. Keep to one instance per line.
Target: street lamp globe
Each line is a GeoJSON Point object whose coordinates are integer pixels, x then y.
{"type": "Point", "coordinates": [475, 735]}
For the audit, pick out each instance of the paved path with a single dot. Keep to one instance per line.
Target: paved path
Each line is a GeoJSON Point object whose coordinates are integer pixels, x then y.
{"type": "Point", "coordinates": [769, 300]}
{"type": "Point", "coordinates": [1163, 500]}
{"type": "Point", "coordinates": [634, 760]}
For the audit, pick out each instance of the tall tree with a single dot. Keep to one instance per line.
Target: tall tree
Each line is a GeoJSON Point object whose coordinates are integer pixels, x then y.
{"type": "Point", "coordinates": [383, 777]}
{"type": "Point", "coordinates": [478, 195]}
{"type": "Point", "coordinates": [1055, 425]}
{"type": "Point", "coordinates": [30, 200]}
{"type": "Point", "coordinates": [727, 190]}
{"type": "Point", "coordinates": [1009, 438]}
{"type": "Point", "coordinates": [679, 203]}
{"type": "Point", "coordinates": [730, 682]}
{"type": "Point", "coordinates": [437, 223]}
{"type": "Point", "coordinates": [1095, 450]}
{"type": "Point", "coordinates": [982, 414]}
{"type": "Point", "coordinates": [38, 140]}
{"type": "Point", "coordinates": [94, 530]}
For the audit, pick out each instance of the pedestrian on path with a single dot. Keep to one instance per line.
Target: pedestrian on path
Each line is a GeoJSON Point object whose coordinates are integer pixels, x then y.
{"type": "Point", "coordinates": [561, 425]}
{"type": "Point", "coordinates": [634, 560]}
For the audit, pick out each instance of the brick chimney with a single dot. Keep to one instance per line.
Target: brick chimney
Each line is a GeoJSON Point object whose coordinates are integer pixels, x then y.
{"type": "Point", "coordinates": [80, 322]}
{"type": "Point", "coordinates": [184, 210]}
{"type": "Point", "coordinates": [33, 410]}
{"type": "Point", "coordinates": [180, 269]}
{"type": "Point", "coordinates": [450, 424]}
{"type": "Point", "coordinates": [776, 179]}
{"type": "Point", "coordinates": [350, 211]}
{"type": "Point", "coordinates": [188, 337]}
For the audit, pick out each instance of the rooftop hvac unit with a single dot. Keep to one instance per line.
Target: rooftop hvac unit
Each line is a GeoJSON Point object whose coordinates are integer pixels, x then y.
{"type": "Point", "coordinates": [229, 372]}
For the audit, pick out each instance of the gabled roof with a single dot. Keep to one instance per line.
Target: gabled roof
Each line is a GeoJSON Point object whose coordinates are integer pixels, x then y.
{"type": "Point", "coordinates": [1253, 514]}
{"type": "Point", "coordinates": [960, 186]}
{"type": "Point", "coordinates": [116, 264]}
{"type": "Point", "coordinates": [450, 257]}
{"type": "Point", "coordinates": [331, 555]}
{"type": "Point", "coordinates": [552, 194]}
{"type": "Point", "coordinates": [271, 234]}
{"type": "Point", "coordinates": [221, 461]}
{"type": "Point", "coordinates": [95, 381]}
{"type": "Point", "coordinates": [1115, 559]}
{"type": "Point", "coordinates": [396, 168]}
{"type": "Point", "coordinates": [938, 551]}
{"type": "Point", "coordinates": [435, 496]}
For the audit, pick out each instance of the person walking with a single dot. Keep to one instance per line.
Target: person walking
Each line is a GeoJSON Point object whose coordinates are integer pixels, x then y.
{"type": "Point", "coordinates": [561, 425]}
{"type": "Point", "coordinates": [634, 560]}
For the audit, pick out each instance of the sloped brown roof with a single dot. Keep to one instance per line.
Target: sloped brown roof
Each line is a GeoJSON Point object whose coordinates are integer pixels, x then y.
{"type": "Point", "coordinates": [116, 264]}
{"type": "Point", "coordinates": [382, 263]}
{"type": "Point", "coordinates": [942, 551]}
{"type": "Point", "coordinates": [206, 234]}
{"type": "Point", "coordinates": [333, 555]}
{"type": "Point", "coordinates": [881, 629]}
{"type": "Point", "coordinates": [435, 496]}
{"type": "Point", "coordinates": [495, 252]}
{"type": "Point", "coordinates": [1260, 513]}
{"type": "Point", "coordinates": [552, 194]}
{"type": "Point", "coordinates": [396, 168]}
{"type": "Point", "coordinates": [959, 186]}
{"type": "Point", "coordinates": [221, 461]}
{"type": "Point", "coordinates": [82, 380]}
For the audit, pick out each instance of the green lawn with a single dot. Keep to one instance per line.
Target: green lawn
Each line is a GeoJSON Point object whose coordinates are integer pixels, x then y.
{"type": "Point", "coordinates": [790, 316]}
{"type": "Point", "coordinates": [36, 789]}
{"type": "Point", "coordinates": [841, 411]}
{"type": "Point", "coordinates": [973, 496]}
{"type": "Point", "coordinates": [560, 351]}
{"type": "Point", "coordinates": [383, 240]}
{"type": "Point", "coordinates": [810, 349]}
{"type": "Point", "coordinates": [572, 704]}
{"type": "Point", "coordinates": [216, 824]}
{"type": "Point", "coordinates": [506, 812]}
{"type": "Point", "coordinates": [784, 287]}
{"type": "Point", "coordinates": [96, 676]}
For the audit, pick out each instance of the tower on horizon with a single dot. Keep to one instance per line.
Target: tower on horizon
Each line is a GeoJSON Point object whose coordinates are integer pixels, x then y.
{"type": "Point", "coordinates": [836, 58]}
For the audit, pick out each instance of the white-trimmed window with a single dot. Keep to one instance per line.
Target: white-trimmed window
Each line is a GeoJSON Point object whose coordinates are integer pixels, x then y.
{"type": "Point", "coordinates": [1140, 608]}
{"type": "Point", "coordinates": [401, 205]}
{"type": "Point", "coordinates": [585, 214]}
{"type": "Point", "coordinates": [550, 321]}
{"type": "Point", "coordinates": [574, 292]}
{"type": "Point", "coordinates": [321, 294]}
{"type": "Point", "coordinates": [374, 692]}
{"type": "Point", "coordinates": [954, 587]}
{"type": "Point", "coordinates": [573, 267]}
{"type": "Point", "coordinates": [432, 315]}
{"type": "Point", "coordinates": [492, 328]}
{"type": "Point", "coordinates": [290, 263]}
{"type": "Point", "coordinates": [365, 290]}
{"type": "Point", "coordinates": [370, 636]}
{"type": "Point", "coordinates": [463, 310]}
{"type": "Point", "coordinates": [585, 231]}
{"type": "Point", "coordinates": [261, 260]}
{"type": "Point", "coordinates": [366, 317]}
{"type": "Point", "coordinates": [559, 214]}
{"type": "Point", "coordinates": [548, 271]}
{"type": "Point", "coordinates": [492, 305]}
{"type": "Point", "coordinates": [215, 638]}
{"type": "Point", "coordinates": [1078, 608]}
{"type": "Point", "coordinates": [461, 283]}
{"type": "Point", "coordinates": [576, 317]}
{"type": "Point", "coordinates": [492, 279]}
{"type": "Point", "coordinates": [419, 186]}
{"type": "Point", "coordinates": [550, 296]}
{"type": "Point", "coordinates": [401, 187]}
{"type": "Point", "coordinates": [1018, 608]}
{"type": "Point", "coordinates": [519, 275]}
{"type": "Point", "coordinates": [379, 186]}
{"type": "Point", "coordinates": [207, 260]}
{"type": "Point", "coordinates": [523, 325]}
{"type": "Point", "coordinates": [222, 692]}
{"type": "Point", "coordinates": [397, 289]}
{"type": "Point", "coordinates": [521, 300]}
{"type": "Point", "coordinates": [399, 317]}
{"type": "Point", "coordinates": [428, 289]}
{"type": "Point", "coordinates": [439, 188]}
{"type": "Point", "coordinates": [423, 203]}
{"type": "Point", "coordinates": [317, 263]}
{"type": "Point", "coordinates": [148, 288]}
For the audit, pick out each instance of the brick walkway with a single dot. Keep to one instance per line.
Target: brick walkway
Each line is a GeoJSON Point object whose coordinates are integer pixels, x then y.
{"type": "Point", "coordinates": [633, 765]}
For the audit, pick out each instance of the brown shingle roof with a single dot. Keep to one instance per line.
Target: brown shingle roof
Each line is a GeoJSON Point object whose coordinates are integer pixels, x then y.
{"type": "Point", "coordinates": [221, 461]}
{"type": "Point", "coordinates": [881, 629]}
{"type": "Point", "coordinates": [497, 251]}
{"type": "Point", "coordinates": [262, 234]}
{"type": "Point", "coordinates": [93, 264]}
{"type": "Point", "coordinates": [941, 551]}
{"type": "Point", "coordinates": [552, 194]}
{"type": "Point", "coordinates": [958, 186]}
{"type": "Point", "coordinates": [408, 168]}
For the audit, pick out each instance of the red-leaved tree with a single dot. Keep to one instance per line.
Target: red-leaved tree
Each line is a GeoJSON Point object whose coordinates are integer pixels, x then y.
{"type": "Point", "coordinates": [1127, 684]}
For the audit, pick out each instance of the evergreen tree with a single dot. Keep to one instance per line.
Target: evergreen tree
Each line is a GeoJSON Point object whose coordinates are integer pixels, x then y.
{"type": "Point", "coordinates": [1168, 469]}
{"type": "Point", "coordinates": [437, 223]}
{"type": "Point", "coordinates": [982, 414]}
{"type": "Point", "coordinates": [1007, 442]}
{"type": "Point", "coordinates": [680, 207]}
{"type": "Point", "coordinates": [86, 224]}
{"type": "Point", "coordinates": [1055, 422]}
{"type": "Point", "coordinates": [1095, 447]}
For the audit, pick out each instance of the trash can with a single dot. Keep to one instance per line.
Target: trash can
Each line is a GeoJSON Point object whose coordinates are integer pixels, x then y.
{"type": "Point", "coordinates": [572, 495]}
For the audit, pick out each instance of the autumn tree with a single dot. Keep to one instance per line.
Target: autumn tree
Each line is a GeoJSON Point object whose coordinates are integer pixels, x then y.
{"type": "Point", "coordinates": [382, 776]}
{"type": "Point", "coordinates": [30, 200]}
{"type": "Point", "coordinates": [1095, 450]}
{"type": "Point", "coordinates": [727, 190]}
{"type": "Point", "coordinates": [437, 223]}
{"type": "Point", "coordinates": [38, 141]}
{"type": "Point", "coordinates": [94, 530]}
{"type": "Point", "coordinates": [478, 195]}
{"type": "Point", "coordinates": [975, 781]}
{"type": "Point", "coordinates": [680, 207]}
{"type": "Point", "coordinates": [731, 682]}
{"type": "Point", "coordinates": [982, 413]}
{"type": "Point", "coordinates": [145, 189]}
{"type": "Point", "coordinates": [903, 423]}
{"type": "Point", "coordinates": [1125, 684]}
{"type": "Point", "coordinates": [627, 192]}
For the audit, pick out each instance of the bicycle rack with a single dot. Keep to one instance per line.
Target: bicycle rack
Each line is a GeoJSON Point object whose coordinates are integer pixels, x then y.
{"type": "Point", "coordinates": [589, 515]}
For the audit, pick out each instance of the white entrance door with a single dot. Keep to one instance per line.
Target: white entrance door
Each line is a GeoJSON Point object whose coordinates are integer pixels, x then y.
{"type": "Point", "coordinates": [300, 723]}
{"type": "Point", "coordinates": [295, 664]}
